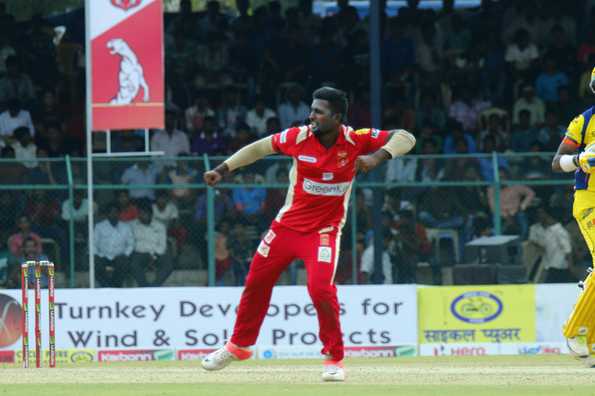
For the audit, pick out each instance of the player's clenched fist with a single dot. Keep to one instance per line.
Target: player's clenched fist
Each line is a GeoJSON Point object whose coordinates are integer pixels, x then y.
{"type": "Point", "coordinates": [586, 161]}
{"type": "Point", "coordinates": [365, 163]}
{"type": "Point", "coordinates": [212, 177]}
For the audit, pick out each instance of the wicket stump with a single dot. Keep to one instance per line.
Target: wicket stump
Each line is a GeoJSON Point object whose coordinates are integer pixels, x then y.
{"type": "Point", "coordinates": [38, 267]}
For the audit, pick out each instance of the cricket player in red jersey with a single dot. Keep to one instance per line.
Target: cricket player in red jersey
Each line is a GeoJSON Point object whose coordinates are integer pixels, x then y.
{"type": "Point", "coordinates": [326, 156]}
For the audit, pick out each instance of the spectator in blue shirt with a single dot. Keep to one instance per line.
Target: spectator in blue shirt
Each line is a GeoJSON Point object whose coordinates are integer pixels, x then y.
{"type": "Point", "coordinates": [208, 140]}
{"type": "Point", "coordinates": [249, 201]}
{"type": "Point", "coordinates": [549, 81]}
{"type": "Point", "coordinates": [455, 132]}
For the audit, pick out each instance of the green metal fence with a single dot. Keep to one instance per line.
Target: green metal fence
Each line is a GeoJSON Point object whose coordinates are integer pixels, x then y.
{"type": "Point", "coordinates": [211, 222]}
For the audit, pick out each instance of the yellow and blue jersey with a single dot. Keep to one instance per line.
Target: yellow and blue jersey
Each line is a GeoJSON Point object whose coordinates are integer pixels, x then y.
{"type": "Point", "coordinates": [580, 133]}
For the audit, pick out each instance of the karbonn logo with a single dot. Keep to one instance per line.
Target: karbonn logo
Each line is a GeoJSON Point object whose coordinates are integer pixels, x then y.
{"type": "Point", "coordinates": [109, 356]}
{"type": "Point", "coordinates": [10, 320]}
{"type": "Point", "coordinates": [476, 307]}
{"type": "Point", "coordinates": [314, 188]}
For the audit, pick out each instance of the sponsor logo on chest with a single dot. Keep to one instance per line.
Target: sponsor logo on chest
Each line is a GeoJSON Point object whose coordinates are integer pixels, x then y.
{"type": "Point", "coordinates": [307, 158]}
{"type": "Point", "coordinates": [328, 189]}
{"type": "Point", "coordinates": [326, 176]}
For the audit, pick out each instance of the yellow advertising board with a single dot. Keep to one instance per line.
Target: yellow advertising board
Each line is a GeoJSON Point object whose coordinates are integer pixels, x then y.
{"type": "Point", "coordinates": [476, 314]}
{"type": "Point", "coordinates": [63, 356]}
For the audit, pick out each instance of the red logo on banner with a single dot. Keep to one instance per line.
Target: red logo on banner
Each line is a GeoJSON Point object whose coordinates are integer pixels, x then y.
{"type": "Point", "coordinates": [10, 320]}
{"type": "Point", "coordinates": [126, 4]}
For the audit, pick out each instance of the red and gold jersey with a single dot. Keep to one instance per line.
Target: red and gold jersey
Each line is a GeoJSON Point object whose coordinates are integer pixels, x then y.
{"type": "Point", "coordinates": [320, 179]}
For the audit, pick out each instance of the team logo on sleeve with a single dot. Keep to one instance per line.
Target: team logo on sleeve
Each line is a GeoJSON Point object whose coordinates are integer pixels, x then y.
{"type": "Point", "coordinates": [375, 133]}
{"type": "Point", "coordinates": [283, 137]}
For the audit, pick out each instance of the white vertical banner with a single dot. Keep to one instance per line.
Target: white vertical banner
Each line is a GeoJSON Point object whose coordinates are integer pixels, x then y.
{"type": "Point", "coordinates": [554, 303]}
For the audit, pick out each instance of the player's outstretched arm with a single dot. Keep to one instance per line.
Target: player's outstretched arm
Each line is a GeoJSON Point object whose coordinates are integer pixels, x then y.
{"type": "Point", "coordinates": [399, 142]}
{"type": "Point", "coordinates": [243, 157]}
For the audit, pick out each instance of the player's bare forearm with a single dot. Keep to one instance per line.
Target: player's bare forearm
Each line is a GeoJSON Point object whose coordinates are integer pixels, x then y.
{"type": "Point", "coordinates": [399, 142]}
{"type": "Point", "coordinates": [366, 163]}
{"type": "Point", "coordinates": [563, 149]}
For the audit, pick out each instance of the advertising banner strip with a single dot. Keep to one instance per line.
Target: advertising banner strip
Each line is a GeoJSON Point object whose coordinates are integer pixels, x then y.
{"type": "Point", "coordinates": [127, 64]}
{"type": "Point", "coordinates": [477, 314]}
{"type": "Point", "coordinates": [203, 318]}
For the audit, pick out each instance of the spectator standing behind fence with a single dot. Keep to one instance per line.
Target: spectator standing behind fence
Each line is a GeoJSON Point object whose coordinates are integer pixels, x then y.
{"type": "Point", "coordinates": [13, 117]}
{"type": "Point", "coordinates": [257, 117]}
{"type": "Point", "coordinates": [24, 148]}
{"type": "Point", "coordinates": [514, 200]}
{"type": "Point", "coordinates": [142, 172]}
{"type": "Point", "coordinates": [170, 140]}
{"type": "Point", "coordinates": [197, 113]}
{"type": "Point", "coordinates": [554, 241]}
{"type": "Point", "coordinates": [293, 109]}
{"type": "Point", "coordinates": [127, 208]}
{"type": "Point", "coordinates": [208, 140]}
{"type": "Point", "coordinates": [150, 248]}
{"type": "Point", "coordinates": [28, 252]}
{"type": "Point", "coordinates": [114, 243]}
{"type": "Point", "coordinates": [14, 84]}
{"type": "Point", "coordinates": [15, 241]}
{"type": "Point", "coordinates": [531, 103]}
{"type": "Point", "coordinates": [367, 260]}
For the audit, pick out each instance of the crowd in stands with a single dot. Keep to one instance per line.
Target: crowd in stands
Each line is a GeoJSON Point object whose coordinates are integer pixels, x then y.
{"type": "Point", "coordinates": [505, 77]}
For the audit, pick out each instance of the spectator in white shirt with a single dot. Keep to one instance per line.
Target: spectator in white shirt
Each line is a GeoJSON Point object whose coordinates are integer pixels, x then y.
{"type": "Point", "coordinates": [114, 243]}
{"type": "Point", "coordinates": [164, 210]}
{"type": "Point", "coordinates": [554, 241]}
{"type": "Point", "coordinates": [15, 85]}
{"type": "Point", "coordinates": [170, 140]}
{"type": "Point", "coordinates": [77, 209]}
{"type": "Point", "coordinates": [11, 119]}
{"type": "Point", "coordinates": [521, 53]}
{"type": "Point", "coordinates": [141, 173]}
{"type": "Point", "coordinates": [294, 109]}
{"type": "Point", "coordinates": [258, 116]}
{"type": "Point", "coordinates": [367, 267]}
{"type": "Point", "coordinates": [532, 103]}
{"type": "Point", "coordinates": [195, 115]}
{"type": "Point", "coordinates": [24, 148]}
{"type": "Point", "coordinates": [150, 250]}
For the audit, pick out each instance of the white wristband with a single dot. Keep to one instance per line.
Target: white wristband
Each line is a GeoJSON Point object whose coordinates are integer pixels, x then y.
{"type": "Point", "coordinates": [567, 163]}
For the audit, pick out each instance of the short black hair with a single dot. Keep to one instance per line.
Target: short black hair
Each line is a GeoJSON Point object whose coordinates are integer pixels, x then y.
{"type": "Point", "coordinates": [336, 98]}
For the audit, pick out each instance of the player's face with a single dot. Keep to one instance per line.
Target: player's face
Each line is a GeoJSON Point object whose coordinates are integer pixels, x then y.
{"type": "Point", "coordinates": [322, 119]}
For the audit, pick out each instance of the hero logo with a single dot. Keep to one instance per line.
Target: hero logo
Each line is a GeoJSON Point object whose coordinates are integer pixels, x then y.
{"type": "Point", "coordinates": [126, 4]}
{"type": "Point", "coordinates": [335, 189]}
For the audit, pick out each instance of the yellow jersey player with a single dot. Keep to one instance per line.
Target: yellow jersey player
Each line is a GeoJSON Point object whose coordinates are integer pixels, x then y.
{"type": "Point", "coordinates": [579, 329]}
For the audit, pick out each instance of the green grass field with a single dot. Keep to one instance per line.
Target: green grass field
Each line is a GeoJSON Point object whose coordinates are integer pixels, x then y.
{"type": "Point", "coordinates": [421, 376]}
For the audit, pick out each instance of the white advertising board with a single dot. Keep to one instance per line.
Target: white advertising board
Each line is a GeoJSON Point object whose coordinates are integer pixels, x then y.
{"type": "Point", "coordinates": [202, 318]}
{"type": "Point", "coordinates": [554, 303]}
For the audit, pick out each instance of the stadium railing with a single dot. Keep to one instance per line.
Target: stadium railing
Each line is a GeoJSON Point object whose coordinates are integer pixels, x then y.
{"type": "Point", "coordinates": [225, 220]}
